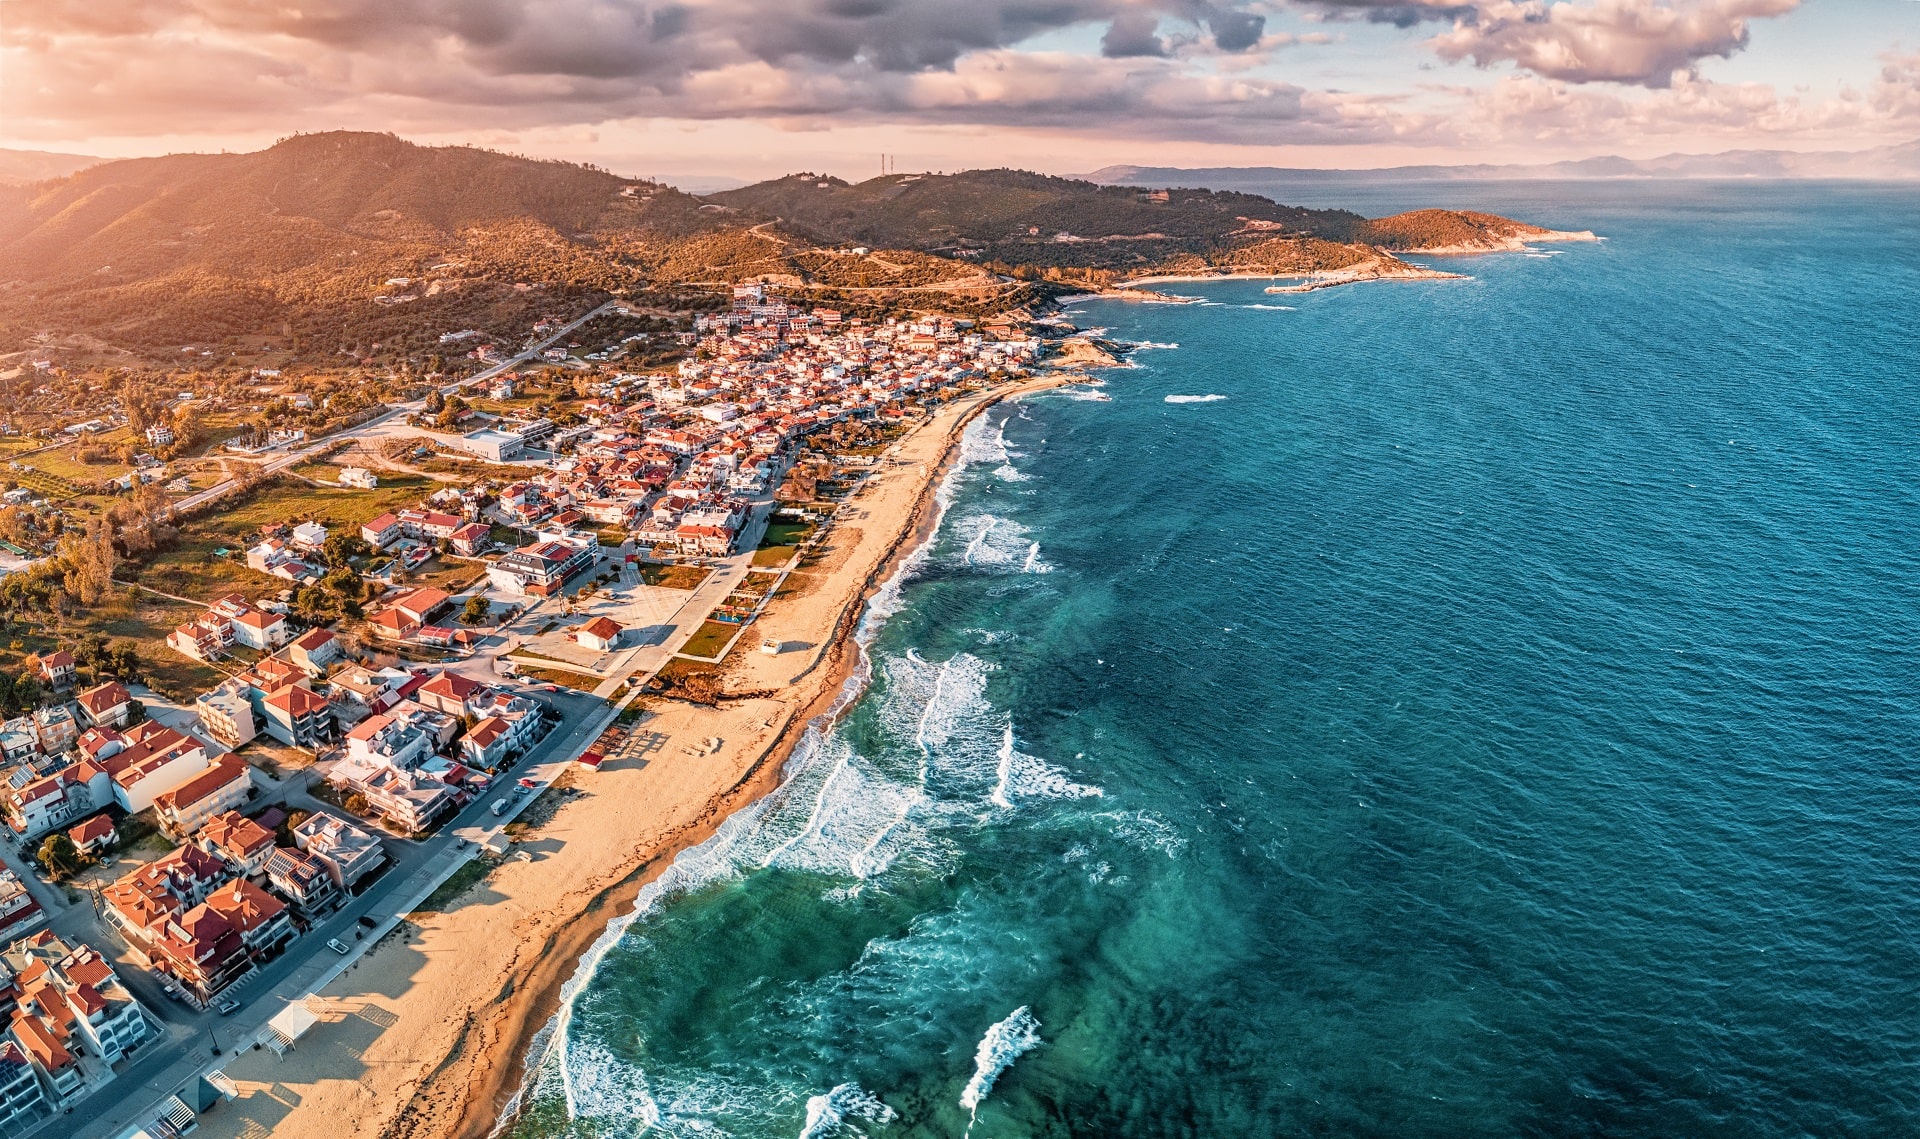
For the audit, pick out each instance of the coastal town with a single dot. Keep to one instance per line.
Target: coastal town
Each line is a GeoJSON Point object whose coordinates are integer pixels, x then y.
{"type": "Point", "coordinates": [389, 681]}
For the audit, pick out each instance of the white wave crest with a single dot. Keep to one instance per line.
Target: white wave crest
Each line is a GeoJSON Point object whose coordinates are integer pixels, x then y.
{"type": "Point", "coordinates": [1273, 308]}
{"type": "Point", "coordinates": [810, 819]}
{"type": "Point", "coordinates": [1007, 472]}
{"type": "Point", "coordinates": [1142, 345]}
{"type": "Point", "coordinates": [1004, 1043]}
{"type": "Point", "coordinates": [1195, 398]}
{"type": "Point", "coordinates": [1019, 775]}
{"type": "Point", "coordinates": [827, 1114]}
{"type": "Point", "coordinates": [995, 543]}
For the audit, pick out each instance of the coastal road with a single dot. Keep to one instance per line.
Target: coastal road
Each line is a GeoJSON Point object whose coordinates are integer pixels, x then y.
{"type": "Point", "coordinates": [186, 1050]}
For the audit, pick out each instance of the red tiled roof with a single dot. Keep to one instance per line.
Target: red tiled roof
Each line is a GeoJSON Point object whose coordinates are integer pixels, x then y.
{"type": "Point", "coordinates": [94, 829]}
{"type": "Point", "coordinates": [297, 700]}
{"type": "Point", "coordinates": [104, 697]}
{"type": "Point", "coordinates": [314, 639]}
{"type": "Point", "coordinates": [204, 785]}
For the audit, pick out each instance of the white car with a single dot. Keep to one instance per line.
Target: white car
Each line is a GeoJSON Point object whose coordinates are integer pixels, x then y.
{"type": "Point", "coordinates": [338, 946]}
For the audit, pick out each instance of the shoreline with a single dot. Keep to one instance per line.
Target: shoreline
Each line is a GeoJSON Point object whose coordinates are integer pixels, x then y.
{"type": "Point", "coordinates": [467, 1091]}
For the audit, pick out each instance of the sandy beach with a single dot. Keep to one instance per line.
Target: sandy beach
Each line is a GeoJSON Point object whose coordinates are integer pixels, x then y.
{"type": "Point", "coordinates": [425, 1036]}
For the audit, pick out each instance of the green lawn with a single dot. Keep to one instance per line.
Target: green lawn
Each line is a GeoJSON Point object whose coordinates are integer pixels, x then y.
{"type": "Point", "coordinates": [712, 637]}
{"type": "Point", "coordinates": [673, 577]}
{"type": "Point", "coordinates": [469, 875]}
{"type": "Point", "coordinates": [128, 615]}
{"type": "Point", "coordinates": [574, 680]}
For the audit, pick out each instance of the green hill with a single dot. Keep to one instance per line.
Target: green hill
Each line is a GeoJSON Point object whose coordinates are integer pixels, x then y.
{"type": "Point", "coordinates": [1017, 217]}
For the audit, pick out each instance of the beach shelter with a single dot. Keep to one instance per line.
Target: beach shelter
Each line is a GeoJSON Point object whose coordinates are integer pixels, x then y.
{"type": "Point", "coordinates": [287, 1026]}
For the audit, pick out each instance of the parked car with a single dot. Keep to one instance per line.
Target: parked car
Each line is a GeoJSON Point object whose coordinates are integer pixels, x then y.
{"type": "Point", "coordinates": [228, 1007]}
{"type": "Point", "coordinates": [338, 946]}
{"type": "Point", "coordinates": [499, 806]}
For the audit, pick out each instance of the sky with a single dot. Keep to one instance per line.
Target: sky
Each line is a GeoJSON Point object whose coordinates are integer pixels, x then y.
{"type": "Point", "coordinates": [748, 89]}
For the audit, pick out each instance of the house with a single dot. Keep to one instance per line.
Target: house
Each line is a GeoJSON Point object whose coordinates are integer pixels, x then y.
{"type": "Point", "coordinates": [543, 567]}
{"type": "Point", "coordinates": [422, 605]}
{"type": "Point", "coordinates": [91, 838]}
{"type": "Point", "coordinates": [56, 669]}
{"type": "Point", "coordinates": [358, 477]}
{"type": "Point", "coordinates": [262, 920]}
{"type": "Point", "coordinates": [376, 690]}
{"type": "Point", "coordinates": [382, 532]}
{"type": "Point", "coordinates": [145, 761]}
{"type": "Point", "coordinates": [205, 638]}
{"type": "Point", "coordinates": [22, 1100]}
{"type": "Point", "coordinates": [73, 991]}
{"type": "Point", "coordinates": [148, 896]}
{"type": "Point", "coordinates": [303, 880]}
{"type": "Point", "coordinates": [471, 540]}
{"type": "Point", "coordinates": [202, 951]}
{"type": "Point", "coordinates": [428, 524]}
{"type": "Point", "coordinates": [53, 1062]}
{"type": "Point", "coordinates": [600, 634]}
{"type": "Point", "coordinates": [241, 843]}
{"type": "Point", "coordinates": [395, 740]}
{"type": "Point", "coordinates": [107, 704]}
{"type": "Point", "coordinates": [309, 536]}
{"type": "Point", "coordinates": [410, 800]}
{"type": "Point", "coordinates": [71, 792]}
{"type": "Point", "coordinates": [348, 853]}
{"type": "Point", "coordinates": [56, 728]}
{"type": "Point", "coordinates": [452, 693]}
{"type": "Point", "coordinates": [160, 435]}
{"type": "Point", "coordinates": [214, 792]}
{"type": "Point", "coordinates": [19, 912]}
{"type": "Point", "coordinates": [392, 625]}
{"type": "Point", "coordinates": [227, 713]}
{"type": "Point", "coordinates": [486, 744]}
{"type": "Point", "coordinates": [314, 650]}
{"type": "Point", "coordinates": [299, 717]}
{"type": "Point", "coordinates": [263, 632]}
{"type": "Point", "coordinates": [18, 742]}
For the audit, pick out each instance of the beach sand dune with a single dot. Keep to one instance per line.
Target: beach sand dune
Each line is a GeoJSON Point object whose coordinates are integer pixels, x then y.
{"type": "Point", "coordinates": [424, 1037]}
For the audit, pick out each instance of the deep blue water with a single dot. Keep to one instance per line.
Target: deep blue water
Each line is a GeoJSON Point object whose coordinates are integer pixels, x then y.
{"type": "Point", "coordinates": [1500, 707]}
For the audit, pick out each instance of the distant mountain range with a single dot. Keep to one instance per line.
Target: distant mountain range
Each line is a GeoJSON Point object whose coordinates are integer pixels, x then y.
{"type": "Point", "coordinates": [333, 240]}
{"type": "Point", "coordinates": [1887, 162]}
{"type": "Point", "coordinates": [19, 167]}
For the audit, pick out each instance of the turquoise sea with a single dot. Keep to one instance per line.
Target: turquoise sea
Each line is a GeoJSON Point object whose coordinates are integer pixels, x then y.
{"type": "Point", "coordinates": [1490, 712]}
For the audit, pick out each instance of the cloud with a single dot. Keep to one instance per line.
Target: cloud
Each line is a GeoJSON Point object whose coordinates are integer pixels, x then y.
{"type": "Point", "coordinates": [1191, 70]}
{"type": "Point", "coordinates": [1133, 34]}
{"type": "Point", "coordinates": [1642, 42]}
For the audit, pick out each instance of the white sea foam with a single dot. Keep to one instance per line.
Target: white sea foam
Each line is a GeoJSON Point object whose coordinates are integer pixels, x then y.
{"type": "Point", "coordinates": [1004, 1043]}
{"type": "Point", "coordinates": [1273, 308]}
{"type": "Point", "coordinates": [1141, 345]}
{"type": "Point", "coordinates": [995, 543]}
{"type": "Point", "coordinates": [1007, 472]}
{"type": "Point", "coordinates": [1146, 831]}
{"type": "Point", "coordinates": [1194, 398]}
{"type": "Point", "coordinates": [1019, 775]}
{"type": "Point", "coordinates": [827, 1114]}
{"type": "Point", "coordinates": [833, 811]}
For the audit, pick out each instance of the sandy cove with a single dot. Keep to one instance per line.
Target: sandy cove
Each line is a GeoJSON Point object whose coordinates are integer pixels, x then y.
{"type": "Point", "coordinates": [425, 1036]}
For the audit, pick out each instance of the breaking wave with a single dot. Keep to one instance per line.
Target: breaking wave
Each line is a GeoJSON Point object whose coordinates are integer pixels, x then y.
{"type": "Point", "coordinates": [827, 1114]}
{"type": "Point", "coordinates": [1000, 544]}
{"type": "Point", "coordinates": [1004, 1043]}
{"type": "Point", "coordinates": [1194, 398]}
